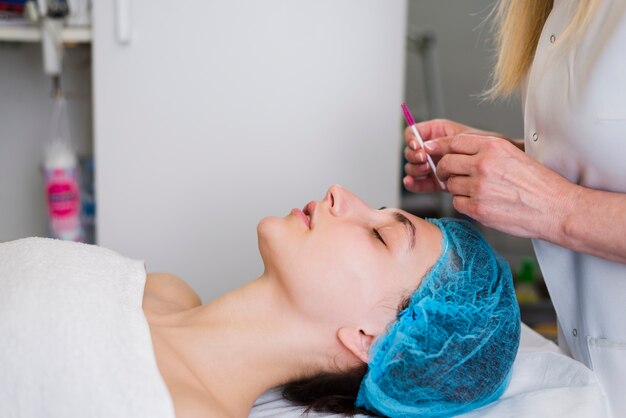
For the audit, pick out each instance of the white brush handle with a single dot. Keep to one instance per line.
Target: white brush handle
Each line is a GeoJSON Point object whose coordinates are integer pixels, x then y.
{"type": "Point", "coordinates": [428, 157]}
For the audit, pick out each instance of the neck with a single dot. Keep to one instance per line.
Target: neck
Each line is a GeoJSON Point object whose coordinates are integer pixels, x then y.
{"type": "Point", "coordinates": [246, 342]}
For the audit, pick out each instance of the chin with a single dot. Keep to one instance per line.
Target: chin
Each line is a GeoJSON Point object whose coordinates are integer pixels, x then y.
{"type": "Point", "coordinates": [268, 227]}
{"type": "Point", "coordinates": [278, 244]}
{"type": "Point", "coordinates": [269, 231]}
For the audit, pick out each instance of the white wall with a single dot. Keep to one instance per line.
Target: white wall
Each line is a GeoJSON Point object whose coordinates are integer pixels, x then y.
{"type": "Point", "coordinates": [25, 111]}
{"type": "Point", "coordinates": [206, 123]}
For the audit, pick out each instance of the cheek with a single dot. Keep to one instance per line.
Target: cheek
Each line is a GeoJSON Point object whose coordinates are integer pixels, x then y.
{"type": "Point", "coordinates": [332, 275]}
{"type": "Point", "coordinates": [329, 296]}
{"type": "Point", "coordinates": [340, 280]}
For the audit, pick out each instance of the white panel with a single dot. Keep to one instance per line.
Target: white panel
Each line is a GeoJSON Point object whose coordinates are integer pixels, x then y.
{"type": "Point", "coordinates": [222, 112]}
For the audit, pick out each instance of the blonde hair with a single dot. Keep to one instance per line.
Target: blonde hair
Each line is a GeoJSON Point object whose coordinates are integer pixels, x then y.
{"type": "Point", "coordinates": [518, 25]}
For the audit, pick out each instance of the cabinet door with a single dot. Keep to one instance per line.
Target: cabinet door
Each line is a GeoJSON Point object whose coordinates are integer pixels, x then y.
{"type": "Point", "coordinates": [210, 115]}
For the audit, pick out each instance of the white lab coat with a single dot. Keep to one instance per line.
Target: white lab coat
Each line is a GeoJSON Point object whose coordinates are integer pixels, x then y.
{"type": "Point", "coordinates": [574, 102]}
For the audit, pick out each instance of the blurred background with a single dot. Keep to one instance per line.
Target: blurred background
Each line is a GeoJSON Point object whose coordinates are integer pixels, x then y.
{"type": "Point", "coordinates": [166, 131]}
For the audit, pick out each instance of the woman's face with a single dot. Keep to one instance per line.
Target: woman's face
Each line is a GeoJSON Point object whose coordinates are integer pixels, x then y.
{"type": "Point", "coordinates": [341, 261]}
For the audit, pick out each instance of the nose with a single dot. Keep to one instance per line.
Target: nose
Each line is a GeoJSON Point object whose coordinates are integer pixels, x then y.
{"type": "Point", "coordinates": [343, 202]}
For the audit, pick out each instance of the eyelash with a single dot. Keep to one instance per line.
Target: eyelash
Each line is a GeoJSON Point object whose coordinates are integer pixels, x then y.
{"type": "Point", "coordinates": [376, 233]}
{"type": "Point", "coordinates": [378, 236]}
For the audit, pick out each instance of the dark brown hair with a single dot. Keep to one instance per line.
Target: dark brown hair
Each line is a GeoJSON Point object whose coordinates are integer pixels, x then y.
{"type": "Point", "coordinates": [329, 392]}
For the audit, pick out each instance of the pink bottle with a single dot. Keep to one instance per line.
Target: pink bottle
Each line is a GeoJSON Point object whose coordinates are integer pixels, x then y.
{"type": "Point", "coordinates": [61, 184]}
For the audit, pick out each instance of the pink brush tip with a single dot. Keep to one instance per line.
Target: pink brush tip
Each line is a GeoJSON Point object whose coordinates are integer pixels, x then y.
{"type": "Point", "coordinates": [407, 115]}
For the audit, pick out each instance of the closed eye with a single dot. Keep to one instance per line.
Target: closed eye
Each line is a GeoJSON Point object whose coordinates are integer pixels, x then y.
{"type": "Point", "coordinates": [375, 231]}
{"type": "Point", "coordinates": [378, 236]}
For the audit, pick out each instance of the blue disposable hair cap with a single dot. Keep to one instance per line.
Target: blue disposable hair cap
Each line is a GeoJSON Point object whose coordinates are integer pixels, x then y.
{"type": "Point", "coordinates": [452, 349]}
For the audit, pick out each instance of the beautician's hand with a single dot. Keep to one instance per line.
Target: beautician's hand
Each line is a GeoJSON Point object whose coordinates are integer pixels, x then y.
{"type": "Point", "coordinates": [418, 174]}
{"type": "Point", "coordinates": [497, 184]}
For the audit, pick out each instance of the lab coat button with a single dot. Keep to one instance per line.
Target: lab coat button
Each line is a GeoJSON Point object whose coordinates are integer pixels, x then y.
{"type": "Point", "coordinates": [574, 332]}
{"type": "Point", "coordinates": [535, 137]}
{"type": "Point", "coordinates": [552, 38]}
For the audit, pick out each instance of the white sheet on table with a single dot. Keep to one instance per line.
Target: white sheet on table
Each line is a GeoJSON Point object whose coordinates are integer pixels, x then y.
{"type": "Point", "coordinates": [545, 383]}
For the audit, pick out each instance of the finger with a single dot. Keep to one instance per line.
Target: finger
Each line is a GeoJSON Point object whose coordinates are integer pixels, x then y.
{"type": "Point", "coordinates": [417, 170]}
{"type": "Point", "coordinates": [412, 143]}
{"type": "Point", "coordinates": [415, 157]}
{"type": "Point", "coordinates": [461, 186]}
{"type": "Point", "coordinates": [409, 139]}
{"type": "Point", "coordinates": [431, 129]}
{"type": "Point", "coordinates": [437, 128]}
{"type": "Point", "coordinates": [459, 144]}
{"type": "Point", "coordinates": [420, 185]}
{"type": "Point", "coordinates": [439, 146]}
{"type": "Point", "coordinates": [462, 204]}
{"type": "Point", "coordinates": [456, 165]}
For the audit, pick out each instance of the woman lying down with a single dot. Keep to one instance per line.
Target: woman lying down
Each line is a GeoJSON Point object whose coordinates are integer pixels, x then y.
{"type": "Point", "coordinates": [357, 311]}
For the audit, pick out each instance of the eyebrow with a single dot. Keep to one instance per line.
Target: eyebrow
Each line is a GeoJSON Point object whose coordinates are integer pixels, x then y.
{"type": "Point", "coordinates": [410, 227]}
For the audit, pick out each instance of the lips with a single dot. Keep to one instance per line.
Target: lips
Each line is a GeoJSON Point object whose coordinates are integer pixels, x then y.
{"type": "Point", "coordinates": [300, 214]}
{"type": "Point", "coordinates": [309, 210]}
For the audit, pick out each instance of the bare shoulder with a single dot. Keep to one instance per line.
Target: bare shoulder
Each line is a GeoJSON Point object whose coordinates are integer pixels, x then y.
{"type": "Point", "coordinates": [168, 292]}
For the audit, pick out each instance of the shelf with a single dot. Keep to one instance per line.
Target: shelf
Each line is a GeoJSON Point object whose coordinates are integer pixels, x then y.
{"type": "Point", "coordinates": [25, 33]}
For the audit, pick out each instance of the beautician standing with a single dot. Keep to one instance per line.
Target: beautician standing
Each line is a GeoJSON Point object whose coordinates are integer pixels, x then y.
{"type": "Point", "coordinates": [568, 190]}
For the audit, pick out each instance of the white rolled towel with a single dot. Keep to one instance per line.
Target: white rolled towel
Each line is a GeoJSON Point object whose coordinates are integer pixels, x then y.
{"type": "Point", "coordinates": [74, 341]}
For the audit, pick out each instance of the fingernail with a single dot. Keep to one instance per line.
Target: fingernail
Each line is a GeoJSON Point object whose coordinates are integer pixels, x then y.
{"type": "Point", "coordinates": [420, 157]}
{"type": "Point", "coordinates": [413, 145]}
{"type": "Point", "coordinates": [405, 181]}
{"type": "Point", "coordinates": [430, 146]}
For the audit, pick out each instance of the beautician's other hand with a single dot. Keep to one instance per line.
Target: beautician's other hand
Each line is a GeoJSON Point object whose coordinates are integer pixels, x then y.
{"type": "Point", "coordinates": [418, 174]}
{"type": "Point", "coordinates": [497, 184]}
